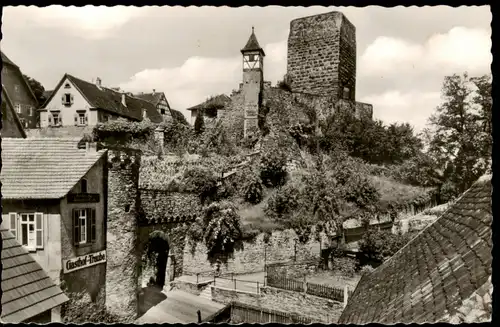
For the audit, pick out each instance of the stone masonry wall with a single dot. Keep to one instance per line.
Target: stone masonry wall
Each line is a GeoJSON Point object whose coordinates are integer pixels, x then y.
{"type": "Point", "coordinates": [295, 271]}
{"type": "Point", "coordinates": [122, 230]}
{"type": "Point", "coordinates": [317, 46]}
{"type": "Point", "coordinates": [347, 65]}
{"type": "Point", "coordinates": [316, 308]}
{"type": "Point", "coordinates": [281, 247]}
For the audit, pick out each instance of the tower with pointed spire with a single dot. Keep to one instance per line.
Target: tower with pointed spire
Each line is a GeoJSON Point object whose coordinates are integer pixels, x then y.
{"type": "Point", "coordinates": [253, 82]}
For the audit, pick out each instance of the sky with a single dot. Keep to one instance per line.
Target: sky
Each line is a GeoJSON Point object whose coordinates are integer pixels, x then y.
{"type": "Point", "coordinates": [191, 53]}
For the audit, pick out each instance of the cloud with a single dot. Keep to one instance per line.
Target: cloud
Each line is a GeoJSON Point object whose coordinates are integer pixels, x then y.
{"type": "Point", "coordinates": [395, 106]}
{"type": "Point", "coordinates": [200, 77]}
{"type": "Point", "coordinates": [92, 22]}
{"type": "Point", "coordinates": [457, 50]}
{"type": "Point", "coordinates": [403, 79]}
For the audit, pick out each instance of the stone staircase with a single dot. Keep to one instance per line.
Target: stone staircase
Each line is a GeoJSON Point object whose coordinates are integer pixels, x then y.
{"type": "Point", "coordinates": [207, 293]}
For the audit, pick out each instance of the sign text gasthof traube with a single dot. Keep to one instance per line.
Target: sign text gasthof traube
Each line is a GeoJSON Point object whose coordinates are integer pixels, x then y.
{"type": "Point", "coordinates": [84, 261]}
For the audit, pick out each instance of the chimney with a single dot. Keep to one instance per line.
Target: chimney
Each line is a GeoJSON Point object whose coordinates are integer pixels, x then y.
{"type": "Point", "coordinates": [90, 147]}
{"type": "Point", "coordinates": [98, 82]}
{"type": "Point", "coordinates": [123, 100]}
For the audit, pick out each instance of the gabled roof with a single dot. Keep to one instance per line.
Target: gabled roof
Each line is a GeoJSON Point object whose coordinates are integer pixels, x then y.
{"type": "Point", "coordinates": [43, 168]}
{"type": "Point", "coordinates": [217, 101]}
{"type": "Point", "coordinates": [253, 44]}
{"type": "Point", "coordinates": [27, 289]}
{"type": "Point", "coordinates": [110, 100]}
{"type": "Point", "coordinates": [11, 114]}
{"type": "Point", "coordinates": [429, 279]}
{"type": "Point", "coordinates": [6, 60]}
{"type": "Point", "coordinates": [154, 98]}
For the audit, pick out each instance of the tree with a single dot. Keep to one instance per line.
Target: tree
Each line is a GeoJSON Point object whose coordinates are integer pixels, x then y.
{"type": "Point", "coordinates": [37, 89]}
{"type": "Point", "coordinates": [458, 136]}
{"type": "Point", "coordinates": [377, 245]}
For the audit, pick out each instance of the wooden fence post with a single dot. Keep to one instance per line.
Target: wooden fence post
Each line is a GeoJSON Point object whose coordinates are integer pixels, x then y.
{"type": "Point", "coordinates": [346, 295]}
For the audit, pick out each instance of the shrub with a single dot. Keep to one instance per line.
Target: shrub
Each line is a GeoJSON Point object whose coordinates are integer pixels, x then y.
{"type": "Point", "coordinates": [202, 181]}
{"type": "Point", "coordinates": [273, 168]}
{"type": "Point", "coordinates": [253, 190]}
{"type": "Point", "coordinates": [80, 309]}
{"type": "Point", "coordinates": [366, 269]}
{"type": "Point", "coordinates": [222, 230]}
{"type": "Point", "coordinates": [123, 131]}
{"type": "Point", "coordinates": [378, 245]}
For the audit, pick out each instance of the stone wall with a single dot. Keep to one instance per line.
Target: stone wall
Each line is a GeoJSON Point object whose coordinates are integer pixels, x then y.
{"type": "Point", "coordinates": [122, 230]}
{"type": "Point", "coordinates": [193, 288]}
{"type": "Point", "coordinates": [296, 271]}
{"type": "Point", "coordinates": [313, 307]}
{"type": "Point", "coordinates": [281, 246]}
{"type": "Point", "coordinates": [317, 47]}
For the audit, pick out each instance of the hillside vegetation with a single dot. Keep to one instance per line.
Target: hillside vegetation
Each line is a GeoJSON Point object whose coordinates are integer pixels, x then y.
{"type": "Point", "coordinates": [314, 171]}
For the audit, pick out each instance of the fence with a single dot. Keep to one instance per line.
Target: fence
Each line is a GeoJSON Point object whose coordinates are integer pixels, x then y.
{"type": "Point", "coordinates": [238, 284]}
{"type": "Point", "coordinates": [285, 283]}
{"type": "Point", "coordinates": [324, 291]}
{"type": "Point", "coordinates": [245, 313]}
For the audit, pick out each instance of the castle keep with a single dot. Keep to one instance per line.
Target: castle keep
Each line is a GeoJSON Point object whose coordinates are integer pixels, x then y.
{"type": "Point", "coordinates": [322, 56]}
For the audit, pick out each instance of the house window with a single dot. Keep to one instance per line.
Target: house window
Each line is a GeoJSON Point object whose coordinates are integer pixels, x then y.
{"type": "Point", "coordinates": [251, 57]}
{"type": "Point", "coordinates": [83, 186]}
{"type": "Point", "coordinates": [18, 108]}
{"type": "Point", "coordinates": [67, 98]}
{"type": "Point", "coordinates": [162, 111]}
{"type": "Point", "coordinates": [30, 111]}
{"type": "Point", "coordinates": [67, 86]}
{"type": "Point", "coordinates": [17, 88]}
{"type": "Point", "coordinates": [81, 118]}
{"type": "Point", "coordinates": [56, 119]}
{"type": "Point", "coordinates": [84, 226]}
{"type": "Point", "coordinates": [28, 229]}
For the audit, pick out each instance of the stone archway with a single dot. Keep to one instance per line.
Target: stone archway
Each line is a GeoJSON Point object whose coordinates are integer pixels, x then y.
{"type": "Point", "coordinates": [157, 254]}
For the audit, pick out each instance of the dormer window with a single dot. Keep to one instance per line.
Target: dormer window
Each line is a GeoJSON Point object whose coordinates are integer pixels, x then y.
{"type": "Point", "coordinates": [67, 86]}
{"type": "Point", "coordinates": [83, 186]}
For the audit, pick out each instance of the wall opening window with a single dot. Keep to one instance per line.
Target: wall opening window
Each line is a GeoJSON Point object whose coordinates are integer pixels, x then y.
{"type": "Point", "coordinates": [67, 98]}
{"type": "Point", "coordinates": [84, 226]}
{"type": "Point", "coordinates": [56, 119]}
{"type": "Point", "coordinates": [81, 118]}
{"type": "Point", "coordinates": [28, 229]}
{"type": "Point", "coordinates": [83, 186]}
{"type": "Point", "coordinates": [30, 111]}
{"type": "Point", "coordinates": [18, 108]}
{"type": "Point", "coordinates": [67, 86]}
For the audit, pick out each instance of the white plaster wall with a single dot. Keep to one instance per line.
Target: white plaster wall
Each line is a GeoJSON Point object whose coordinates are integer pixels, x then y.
{"type": "Point", "coordinates": [68, 112]}
{"type": "Point", "coordinates": [50, 256]}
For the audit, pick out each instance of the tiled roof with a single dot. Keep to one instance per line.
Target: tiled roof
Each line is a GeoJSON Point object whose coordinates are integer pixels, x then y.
{"type": "Point", "coordinates": [43, 168]}
{"type": "Point", "coordinates": [111, 101]}
{"type": "Point", "coordinates": [252, 44]}
{"type": "Point", "coordinates": [6, 60]}
{"type": "Point", "coordinates": [216, 101]}
{"type": "Point", "coordinates": [27, 290]}
{"type": "Point", "coordinates": [154, 98]}
{"type": "Point", "coordinates": [431, 276]}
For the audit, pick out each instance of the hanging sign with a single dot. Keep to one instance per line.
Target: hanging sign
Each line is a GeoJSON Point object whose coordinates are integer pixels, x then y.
{"type": "Point", "coordinates": [84, 261]}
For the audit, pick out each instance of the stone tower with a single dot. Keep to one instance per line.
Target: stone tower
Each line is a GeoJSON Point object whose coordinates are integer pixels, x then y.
{"type": "Point", "coordinates": [122, 230]}
{"type": "Point", "coordinates": [253, 82]}
{"type": "Point", "coordinates": [322, 56]}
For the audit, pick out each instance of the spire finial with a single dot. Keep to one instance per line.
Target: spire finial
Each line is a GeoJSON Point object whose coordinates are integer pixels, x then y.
{"type": "Point", "coordinates": [252, 29]}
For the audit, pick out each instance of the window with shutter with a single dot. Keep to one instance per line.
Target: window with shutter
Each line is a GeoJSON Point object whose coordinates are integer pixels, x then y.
{"type": "Point", "coordinates": [71, 99]}
{"type": "Point", "coordinates": [39, 230]}
{"type": "Point", "coordinates": [13, 223]}
{"type": "Point", "coordinates": [63, 99]}
{"type": "Point", "coordinates": [92, 226]}
{"type": "Point", "coordinates": [76, 227]}
{"type": "Point", "coordinates": [50, 118]}
{"type": "Point", "coordinates": [76, 119]}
